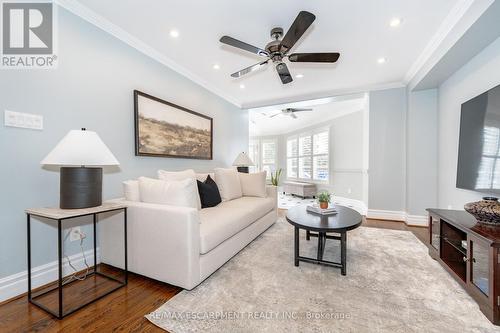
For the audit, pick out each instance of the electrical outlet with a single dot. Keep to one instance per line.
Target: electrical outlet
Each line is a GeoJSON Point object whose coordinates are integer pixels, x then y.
{"type": "Point", "coordinates": [449, 207]}
{"type": "Point", "coordinates": [75, 234]}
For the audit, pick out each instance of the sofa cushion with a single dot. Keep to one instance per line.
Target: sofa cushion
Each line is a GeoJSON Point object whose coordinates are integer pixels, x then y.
{"type": "Point", "coordinates": [228, 182]}
{"type": "Point", "coordinates": [176, 175]}
{"type": "Point", "coordinates": [230, 217]}
{"type": "Point", "coordinates": [131, 190]}
{"type": "Point", "coordinates": [179, 175]}
{"type": "Point", "coordinates": [175, 193]}
{"type": "Point", "coordinates": [203, 176]}
{"type": "Point", "coordinates": [253, 184]}
{"type": "Point", "coordinates": [209, 193]}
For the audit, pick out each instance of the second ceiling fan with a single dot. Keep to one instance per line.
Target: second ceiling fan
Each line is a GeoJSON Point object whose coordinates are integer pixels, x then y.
{"type": "Point", "coordinates": [277, 49]}
{"type": "Point", "coordinates": [290, 112]}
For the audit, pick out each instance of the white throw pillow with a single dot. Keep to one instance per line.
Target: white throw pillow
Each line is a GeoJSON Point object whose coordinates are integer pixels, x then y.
{"type": "Point", "coordinates": [203, 176]}
{"type": "Point", "coordinates": [131, 190]}
{"type": "Point", "coordinates": [180, 175]}
{"type": "Point", "coordinates": [228, 183]}
{"type": "Point", "coordinates": [176, 175]}
{"type": "Point", "coordinates": [175, 193]}
{"type": "Point", "coordinates": [253, 184]}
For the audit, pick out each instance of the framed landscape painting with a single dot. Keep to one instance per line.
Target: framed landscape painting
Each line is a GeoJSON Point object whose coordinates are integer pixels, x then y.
{"type": "Point", "coordinates": [168, 130]}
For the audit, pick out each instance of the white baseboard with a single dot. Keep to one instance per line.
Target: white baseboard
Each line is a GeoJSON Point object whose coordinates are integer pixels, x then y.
{"type": "Point", "coordinates": [411, 220]}
{"type": "Point", "coordinates": [386, 215]}
{"type": "Point", "coordinates": [417, 220]}
{"type": "Point", "coordinates": [17, 284]}
{"type": "Point", "coordinates": [357, 205]}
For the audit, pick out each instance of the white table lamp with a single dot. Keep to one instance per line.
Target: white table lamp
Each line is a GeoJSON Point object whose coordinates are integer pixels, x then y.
{"type": "Point", "coordinates": [81, 154]}
{"type": "Point", "coordinates": [242, 162]}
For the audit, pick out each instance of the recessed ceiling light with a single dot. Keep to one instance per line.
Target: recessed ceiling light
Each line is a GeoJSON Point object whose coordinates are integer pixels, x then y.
{"type": "Point", "coordinates": [242, 86]}
{"type": "Point", "coordinates": [174, 33]}
{"type": "Point", "coordinates": [216, 66]}
{"type": "Point", "coordinates": [381, 60]}
{"type": "Point", "coordinates": [395, 22]}
{"type": "Point", "coordinates": [299, 76]}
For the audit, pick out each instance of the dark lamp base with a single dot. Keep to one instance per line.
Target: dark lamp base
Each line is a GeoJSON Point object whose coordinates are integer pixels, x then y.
{"type": "Point", "coordinates": [80, 187]}
{"type": "Point", "coordinates": [242, 169]}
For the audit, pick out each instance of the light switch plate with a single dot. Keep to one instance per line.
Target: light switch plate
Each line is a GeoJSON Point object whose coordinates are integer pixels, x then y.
{"type": "Point", "coordinates": [10, 118]}
{"type": "Point", "coordinates": [23, 120]}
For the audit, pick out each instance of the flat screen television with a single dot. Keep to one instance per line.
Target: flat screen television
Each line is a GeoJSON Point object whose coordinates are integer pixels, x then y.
{"type": "Point", "coordinates": [479, 144]}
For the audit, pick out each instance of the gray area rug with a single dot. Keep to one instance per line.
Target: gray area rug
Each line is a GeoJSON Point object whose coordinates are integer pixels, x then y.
{"type": "Point", "coordinates": [392, 285]}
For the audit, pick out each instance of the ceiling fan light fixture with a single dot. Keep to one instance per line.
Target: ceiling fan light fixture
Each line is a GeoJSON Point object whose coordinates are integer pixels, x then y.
{"type": "Point", "coordinates": [395, 22]}
{"type": "Point", "coordinates": [299, 76]}
{"type": "Point", "coordinates": [381, 60]}
{"type": "Point", "coordinates": [277, 50]}
{"type": "Point", "coordinates": [216, 66]}
{"type": "Point", "coordinates": [174, 33]}
{"type": "Point", "coordinates": [242, 86]}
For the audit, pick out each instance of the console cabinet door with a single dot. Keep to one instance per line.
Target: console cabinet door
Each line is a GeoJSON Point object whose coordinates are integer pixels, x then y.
{"type": "Point", "coordinates": [435, 232]}
{"type": "Point", "coordinates": [480, 269]}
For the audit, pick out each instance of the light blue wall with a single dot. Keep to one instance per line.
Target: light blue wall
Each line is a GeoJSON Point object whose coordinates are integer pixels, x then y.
{"type": "Point", "coordinates": [386, 185]}
{"type": "Point", "coordinates": [477, 76]}
{"type": "Point", "coordinates": [91, 88]}
{"type": "Point", "coordinates": [421, 151]}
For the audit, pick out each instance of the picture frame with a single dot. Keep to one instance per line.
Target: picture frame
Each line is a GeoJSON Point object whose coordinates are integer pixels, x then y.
{"type": "Point", "coordinates": [164, 129]}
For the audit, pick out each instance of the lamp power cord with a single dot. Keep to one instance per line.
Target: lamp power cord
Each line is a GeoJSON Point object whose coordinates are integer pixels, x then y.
{"type": "Point", "coordinates": [74, 275]}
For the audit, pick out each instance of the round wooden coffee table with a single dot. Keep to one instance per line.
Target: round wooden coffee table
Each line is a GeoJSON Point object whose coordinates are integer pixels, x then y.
{"type": "Point", "coordinates": [320, 226]}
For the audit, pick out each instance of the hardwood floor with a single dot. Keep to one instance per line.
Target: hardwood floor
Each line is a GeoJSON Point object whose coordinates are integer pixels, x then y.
{"type": "Point", "coordinates": [124, 309]}
{"type": "Point", "coordinates": [422, 233]}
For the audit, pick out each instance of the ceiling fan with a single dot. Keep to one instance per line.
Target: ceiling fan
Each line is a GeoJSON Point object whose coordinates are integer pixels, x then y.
{"type": "Point", "coordinates": [278, 49]}
{"type": "Point", "coordinates": [290, 112]}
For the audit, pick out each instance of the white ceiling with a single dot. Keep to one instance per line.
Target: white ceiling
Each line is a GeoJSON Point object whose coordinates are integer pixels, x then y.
{"type": "Point", "coordinates": [358, 29]}
{"type": "Point", "coordinates": [261, 124]}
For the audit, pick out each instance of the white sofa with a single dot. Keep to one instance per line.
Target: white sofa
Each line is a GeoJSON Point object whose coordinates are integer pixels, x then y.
{"type": "Point", "coordinates": [183, 246]}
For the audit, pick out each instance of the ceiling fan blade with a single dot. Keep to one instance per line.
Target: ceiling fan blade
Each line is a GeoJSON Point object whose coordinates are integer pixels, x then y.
{"type": "Point", "coordinates": [284, 73]}
{"type": "Point", "coordinates": [293, 115]}
{"type": "Point", "coordinates": [314, 57]}
{"type": "Point", "coordinates": [244, 46]}
{"type": "Point", "coordinates": [249, 69]}
{"type": "Point", "coordinates": [302, 22]}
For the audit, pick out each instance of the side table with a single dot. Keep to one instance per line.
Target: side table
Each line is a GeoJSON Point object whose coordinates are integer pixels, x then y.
{"type": "Point", "coordinates": [61, 215]}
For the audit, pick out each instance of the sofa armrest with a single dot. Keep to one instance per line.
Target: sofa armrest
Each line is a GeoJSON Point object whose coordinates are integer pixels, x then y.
{"type": "Point", "coordinates": [163, 242]}
{"type": "Point", "coordinates": [272, 191]}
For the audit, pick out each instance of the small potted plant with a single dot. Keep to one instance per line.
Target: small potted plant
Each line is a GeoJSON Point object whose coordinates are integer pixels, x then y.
{"type": "Point", "coordinates": [324, 199]}
{"type": "Point", "coordinates": [275, 177]}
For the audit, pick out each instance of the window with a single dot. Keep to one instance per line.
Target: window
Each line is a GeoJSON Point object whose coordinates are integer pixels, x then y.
{"type": "Point", "coordinates": [307, 156]}
{"type": "Point", "coordinates": [269, 151]}
{"type": "Point", "coordinates": [320, 156]}
{"type": "Point", "coordinates": [291, 161]}
{"type": "Point", "coordinates": [263, 153]}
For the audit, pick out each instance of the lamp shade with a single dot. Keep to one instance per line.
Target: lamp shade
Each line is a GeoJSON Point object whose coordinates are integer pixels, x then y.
{"type": "Point", "coordinates": [243, 161]}
{"type": "Point", "coordinates": [80, 148]}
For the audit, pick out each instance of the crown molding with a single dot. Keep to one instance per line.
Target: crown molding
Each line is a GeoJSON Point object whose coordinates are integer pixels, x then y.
{"type": "Point", "coordinates": [327, 94]}
{"type": "Point", "coordinates": [95, 19]}
{"type": "Point", "coordinates": [436, 41]}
